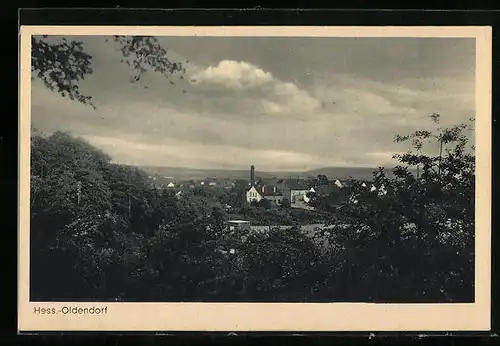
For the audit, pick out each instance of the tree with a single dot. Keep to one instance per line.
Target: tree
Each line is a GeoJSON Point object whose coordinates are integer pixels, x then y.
{"type": "Point", "coordinates": [264, 203]}
{"type": "Point", "coordinates": [327, 202]}
{"type": "Point", "coordinates": [271, 269]}
{"type": "Point", "coordinates": [237, 195]}
{"type": "Point", "coordinates": [81, 227]}
{"type": "Point", "coordinates": [322, 179]}
{"type": "Point", "coordinates": [63, 65]}
{"type": "Point", "coordinates": [414, 233]}
{"type": "Point", "coordinates": [110, 235]}
{"type": "Point", "coordinates": [285, 203]}
{"type": "Point", "coordinates": [69, 199]}
{"type": "Point", "coordinates": [184, 251]}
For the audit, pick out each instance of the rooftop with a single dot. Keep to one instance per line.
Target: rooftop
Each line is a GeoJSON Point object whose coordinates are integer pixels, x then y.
{"type": "Point", "coordinates": [238, 221]}
{"type": "Point", "coordinates": [271, 193]}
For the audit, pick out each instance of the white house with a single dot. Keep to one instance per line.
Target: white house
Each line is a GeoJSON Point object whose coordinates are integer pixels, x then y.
{"type": "Point", "coordinates": [253, 195]}
{"type": "Point", "coordinates": [297, 196]}
{"type": "Point", "coordinates": [306, 198]}
{"type": "Point", "coordinates": [258, 192]}
{"type": "Point", "coordinates": [170, 185]}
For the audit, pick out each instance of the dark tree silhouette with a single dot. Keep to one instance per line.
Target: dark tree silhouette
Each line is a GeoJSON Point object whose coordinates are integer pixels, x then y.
{"type": "Point", "coordinates": [415, 236]}
{"type": "Point", "coordinates": [63, 65]}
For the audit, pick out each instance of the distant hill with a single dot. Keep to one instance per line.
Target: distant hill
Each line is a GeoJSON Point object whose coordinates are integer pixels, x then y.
{"type": "Point", "coordinates": [179, 173]}
{"type": "Point", "coordinates": [361, 173]}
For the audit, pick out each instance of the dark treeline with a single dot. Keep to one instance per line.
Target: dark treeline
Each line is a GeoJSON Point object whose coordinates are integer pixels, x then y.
{"type": "Point", "coordinates": [100, 231]}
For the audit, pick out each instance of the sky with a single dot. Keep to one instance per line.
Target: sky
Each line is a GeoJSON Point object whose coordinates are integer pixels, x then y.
{"type": "Point", "coordinates": [290, 103]}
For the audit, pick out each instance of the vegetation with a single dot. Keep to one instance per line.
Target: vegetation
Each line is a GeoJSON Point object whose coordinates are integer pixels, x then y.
{"type": "Point", "coordinates": [101, 231]}
{"type": "Point", "coordinates": [415, 241]}
{"type": "Point", "coordinates": [62, 63]}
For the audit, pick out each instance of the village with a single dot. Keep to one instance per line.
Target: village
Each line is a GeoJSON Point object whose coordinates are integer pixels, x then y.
{"type": "Point", "coordinates": [277, 202]}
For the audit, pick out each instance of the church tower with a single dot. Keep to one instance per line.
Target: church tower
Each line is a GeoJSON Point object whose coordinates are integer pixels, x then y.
{"type": "Point", "coordinates": [252, 175]}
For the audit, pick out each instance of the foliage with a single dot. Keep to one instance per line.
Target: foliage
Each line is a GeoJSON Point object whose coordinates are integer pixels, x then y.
{"type": "Point", "coordinates": [148, 55]}
{"type": "Point", "coordinates": [271, 269]}
{"type": "Point", "coordinates": [265, 203]}
{"type": "Point", "coordinates": [63, 65]}
{"type": "Point", "coordinates": [112, 235]}
{"type": "Point", "coordinates": [416, 233]}
{"type": "Point", "coordinates": [329, 202]}
{"type": "Point", "coordinates": [102, 231]}
{"type": "Point", "coordinates": [322, 179]}
{"type": "Point", "coordinates": [83, 233]}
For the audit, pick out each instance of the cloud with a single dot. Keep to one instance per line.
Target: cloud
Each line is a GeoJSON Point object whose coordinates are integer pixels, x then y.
{"type": "Point", "coordinates": [363, 120]}
{"type": "Point", "coordinates": [240, 112]}
{"type": "Point", "coordinates": [384, 157]}
{"type": "Point", "coordinates": [404, 105]}
{"type": "Point", "coordinates": [233, 74]}
{"type": "Point", "coordinates": [240, 86]}
{"type": "Point", "coordinates": [174, 152]}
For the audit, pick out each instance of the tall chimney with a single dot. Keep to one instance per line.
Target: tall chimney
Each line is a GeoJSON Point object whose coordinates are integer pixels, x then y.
{"type": "Point", "coordinates": [252, 175]}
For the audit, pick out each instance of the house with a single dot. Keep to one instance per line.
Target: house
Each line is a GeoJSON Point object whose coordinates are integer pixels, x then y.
{"type": "Point", "coordinates": [253, 195]}
{"type": "Point", "coordinates": [171, 185]}
{"type": "Point", "coordinates": [336, 191]}
{"type": "Point", "coordinates": [297, 198]}
{"type": "Point", "coordinates": [294, 190]}
{"type": "Point", "coordinates": [307, 199]}
{"type": "Point", "coordinates": [323, 190]}
{"type": "Point", "coordinates": [269, 192]}
{"type": "Point", "coordinates": [275, 197]}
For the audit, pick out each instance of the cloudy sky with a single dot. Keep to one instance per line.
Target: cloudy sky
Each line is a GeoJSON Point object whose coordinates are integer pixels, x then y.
{"type": "Point", "coordinates": [277, 103]}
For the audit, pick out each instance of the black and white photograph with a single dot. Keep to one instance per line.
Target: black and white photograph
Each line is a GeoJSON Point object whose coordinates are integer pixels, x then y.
{"type": "Point", "coordinates": [252, 169]}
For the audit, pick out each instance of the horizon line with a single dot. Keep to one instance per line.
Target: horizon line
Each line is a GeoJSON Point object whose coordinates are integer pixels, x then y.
{"type": "Point", "coordinates": [256, 170]}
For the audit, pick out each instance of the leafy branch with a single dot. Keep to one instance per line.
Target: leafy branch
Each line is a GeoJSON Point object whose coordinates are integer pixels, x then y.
{"type": "Point", "coordinates": [62, 66]}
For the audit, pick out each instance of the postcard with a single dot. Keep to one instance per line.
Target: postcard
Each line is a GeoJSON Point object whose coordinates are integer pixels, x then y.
{"type": "Point", "coordinates": [243, 179]}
